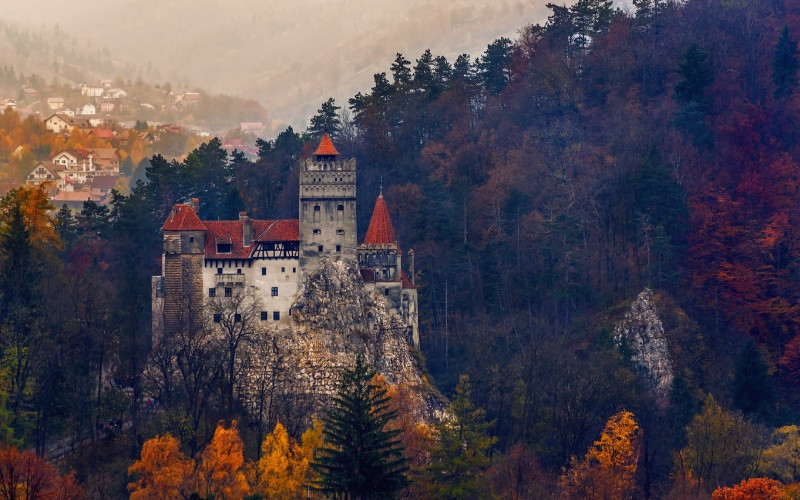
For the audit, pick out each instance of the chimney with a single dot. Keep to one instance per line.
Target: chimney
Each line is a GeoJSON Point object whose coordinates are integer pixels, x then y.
{"type": "Point", "coordinates": [411, 264]}
{"type": "Point", "coordinates": [247, 229]}
{"type": "Point", "coordinates": [195, 203]}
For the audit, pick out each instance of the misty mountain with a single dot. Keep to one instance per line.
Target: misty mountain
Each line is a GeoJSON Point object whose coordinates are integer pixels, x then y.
{"type": "Point", "coordinates": [289, 56]}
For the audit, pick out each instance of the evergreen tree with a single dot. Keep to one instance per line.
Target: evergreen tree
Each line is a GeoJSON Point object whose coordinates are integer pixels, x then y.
{"type": "Point", "coordinates": [462, 452]}
{"type": "Point", "coordinates": [401, 71]}
{"type": "Point", "coordinates": [492, 67]}
{"type": "Point", "coordinates": [785, 65]}
{"type": "Point", "coordinates": [423, 71]}
{"type": "Point", "coordinates": [697, 76]}
{"type": "Point", "coordinates": [752, 389]}
{"type": "Point", "coordinates": [360, 458]}
{"type": "Point", "coordinates": [326, 120]}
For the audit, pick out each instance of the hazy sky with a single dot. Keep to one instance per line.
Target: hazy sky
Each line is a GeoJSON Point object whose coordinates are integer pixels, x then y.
{"type": "Point", "coordinates": [289, 55]}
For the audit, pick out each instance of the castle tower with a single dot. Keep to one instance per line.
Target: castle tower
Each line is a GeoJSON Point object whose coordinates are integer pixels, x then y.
{"type": "Point", "coordinates": [381, 263]}
{"type": "Point", "coordinates": [327, 207]}
{"type": "Point", "coordinates": [182, 285]}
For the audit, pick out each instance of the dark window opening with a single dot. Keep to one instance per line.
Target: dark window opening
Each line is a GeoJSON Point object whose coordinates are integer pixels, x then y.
{"type": "Point", "coordinates": [263, 271]}
{"type": "Point", "coordinates": [237, 318]}
{"type": "Point", "coordinates": [316, 213]}
{"type": "Point", "coordinates": [294, 269]}
{"type": "Point", "coordinates": [191, 239]}
{"type": "Point", "coordinates": [386, 291]}
{"type": "Point", "coordinates": [219, 270]}
{"type": "Point", "coordinates": [224, 247]}
{"type": "Point", "coordinates": [274, 291]}
{"type": "Point", "coordinates": [319, 249]}
{"type": "Point", "coordinates": [317, 231]}
{"type": "Point", "coordinates": [283, 269]}
{"type": "Point", "coordinates": [276, 316]}
{"type": "Point", "coordinates": [217, 318]}
{"type": "Point", "coordinates": [340, 231]}
{"type": "Point", "coordinates": [338, 248]}
{"type": "Point", "coordinates": [229, 292]}
{"type": "Point", "coordinates": [238, 271]}
{"type": "Point", "coordinates": [263, 315]}
{"type": "Point", "coordinates": [212, 292]}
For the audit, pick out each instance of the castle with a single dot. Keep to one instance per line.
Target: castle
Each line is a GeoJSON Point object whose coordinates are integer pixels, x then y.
{"type": "Point", "coordinates": [269, 259]}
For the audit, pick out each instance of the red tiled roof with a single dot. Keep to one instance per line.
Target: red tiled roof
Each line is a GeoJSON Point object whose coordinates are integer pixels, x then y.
{"type": "Point", "coordinates": [224, 231]}
{"type": "Point", "coordinates": [183, 218]}
{"type": "Point", "coordinates": [407, 282]}
{"type": "Point", "coordinates": [380, 231]}
{"type": "Point", "coordinates": [104, 133]}
{"type": "Point", "coordinates": [326, 147]}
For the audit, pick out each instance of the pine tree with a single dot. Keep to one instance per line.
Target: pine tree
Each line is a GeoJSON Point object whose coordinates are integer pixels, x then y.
{"type": "Point", "coordinates": [401, 71]}
{"type": "Point", "coordinates": [462, 452]}
{"type": "Point", "coordinates": [785, 65]}
{"type": "Point", "coordinates": [697, 76]}
{"type": "Point", "coordinates": [752, 388]}
{"type": "Point", "coordinates": [492, 67]}
{"type": "Point", "coordinates": [360, 458]}
{"type": "Point", "coordinates": [326, 120]}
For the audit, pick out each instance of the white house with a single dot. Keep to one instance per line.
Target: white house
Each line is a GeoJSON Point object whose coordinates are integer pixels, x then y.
{"type": "Point", "coordinates": [55, 103]}
{"type": "Point", "coordinates": [78, 164]}
{"type": "Point", "coordinates": [91, 91]}
{"type": "Point", "coordinates": [46, 171]}
{"type": "Point", "coordinates": [88, 109]}
{"type": "Point", "coordinates": [116, 93]}
{"type": "Point", "coordinates": [105, 83]}
{"type": "Point", "coordinates": [58, 123]}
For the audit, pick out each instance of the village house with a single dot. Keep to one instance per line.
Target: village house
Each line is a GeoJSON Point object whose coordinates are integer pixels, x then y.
{"type": "Point", "coordinates": [106, 159]}
{"type": "Point", "coordinates": [47, 171]}
{"type": "Point", "coordinates": [92, 91]}
{"type": "Point", "coordinates": [103, 184]}
{"type": "Point", "coordinates": [55, 103]}
{"type": "Point", "coordinates": [8, 103]}
{"type": "Point", "coordinates": [106, 83]}
{"type": "Point", "coordinates": [78, 164]}
{"type": "Point", "coordinates": [107, 106]}
{"type": "Point", "coordinates": [58, 123]}
{"type": "Point", "coordinates": [87, 109]}
{"type": "Point", "coordinates": [74, 199]}
{"type": "Point", "coordinates": [115, 94]}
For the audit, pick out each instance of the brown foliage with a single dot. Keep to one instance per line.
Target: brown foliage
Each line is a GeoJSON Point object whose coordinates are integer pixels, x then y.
{"type": "Point", "coordinates": [26, 476]}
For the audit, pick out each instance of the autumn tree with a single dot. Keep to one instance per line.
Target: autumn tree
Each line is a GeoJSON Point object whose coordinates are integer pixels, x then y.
{"type": "Point", "coordinates": [360, 457]}
{"type": "Point", "coordinates": [757, 488]}
{"type": "Point", "coordinates": [722, 447]}
{"type": "Point", "coordinates": [162, 471]}
{"type": "Point", "coordinates": [24, 475]}
{"type": "Point", "coordinates": [220, 469]}
{"type": "Point", "coordinates": [609, 468]}
{"type": "Point", "coordinates": [282, 469]}
{"type": "Point", "coordinates": [781, 459]}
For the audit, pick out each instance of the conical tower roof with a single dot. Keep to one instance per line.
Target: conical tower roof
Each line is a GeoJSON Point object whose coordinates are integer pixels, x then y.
{"type": "Point", "coordinates": [326, 147]}
{"type": "Point", "coordinates": [380, 231]}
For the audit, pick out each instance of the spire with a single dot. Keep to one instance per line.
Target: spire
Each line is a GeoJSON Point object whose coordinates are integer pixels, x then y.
{"type": "Point", "coordinates": [380, 231]}
{"type": "Point", "coordinates": [326, 147]}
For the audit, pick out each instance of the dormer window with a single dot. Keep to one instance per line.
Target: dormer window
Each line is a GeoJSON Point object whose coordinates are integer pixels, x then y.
{"type": "Point", "coordinates": [224, 248]}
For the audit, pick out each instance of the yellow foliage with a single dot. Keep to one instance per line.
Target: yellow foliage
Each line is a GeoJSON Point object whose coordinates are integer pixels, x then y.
{"type": "Point", "coordinates": [162, 470]}
{"type": "Point", "coordinates": [220, 471]}
{"type": "Point", "coordinates": [782, 459]}
{"type": "Point", "coordinates": [609, 467]}
{"type": "Point", "coordinates": [282, 469]}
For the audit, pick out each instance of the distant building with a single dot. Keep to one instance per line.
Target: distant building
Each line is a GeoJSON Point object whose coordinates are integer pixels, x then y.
{"type": "Point", "coordinates": [105, 83]}
{"type": "Point", "coordinates": [55, 103]}
{"type": "Point", "coordinates": [88, 109]}
{"type": "Point", "coordinates": [78, 164]}
{"type": "Point", "coordinates": [58, 123]}
{"type": "Point", "coordinates": [7, 103]}
{"type": "Point", "coordinates": [91, 91]}
{"type": "Point", "coordinates": [106, 160]}
{"type": "Point", "coordinates": [116, 93]}
{"type": "Point", "coordinates": [103, 184]}
{"type": "Point", "coordinates": [47, 171]}
{"type": "Point", "coordinates": [253, 128]}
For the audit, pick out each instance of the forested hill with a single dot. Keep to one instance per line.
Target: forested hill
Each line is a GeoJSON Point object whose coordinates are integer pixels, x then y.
{"type": "Point", "coordinates": [544, 185]}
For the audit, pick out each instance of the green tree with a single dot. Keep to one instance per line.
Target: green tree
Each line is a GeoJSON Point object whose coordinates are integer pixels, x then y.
{"type": "Point", "coordinates": [462, 452]}
{"type": "Point", "coordinates": [785, 65]}
{"type": "Point", "coordinates": [360, 457]}
{"type": "Point", "coordinates": [326, 120]}
{"type": "Point", "coordinates": [401, 71]}
{"type": "Point", "coordinates": [493, 66]}
{"type": "Point", "coordinates": [752, 389]}
{"type": "Point", "coordinates": [696, 76]}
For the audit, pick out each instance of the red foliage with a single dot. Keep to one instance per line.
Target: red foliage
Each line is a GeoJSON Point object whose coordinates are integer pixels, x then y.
{"type": "Point", "coordinates": [25, 475]}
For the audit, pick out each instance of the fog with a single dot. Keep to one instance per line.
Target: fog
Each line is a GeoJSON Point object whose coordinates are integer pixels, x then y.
{"type": "Point", "coordinates": [289, 55]}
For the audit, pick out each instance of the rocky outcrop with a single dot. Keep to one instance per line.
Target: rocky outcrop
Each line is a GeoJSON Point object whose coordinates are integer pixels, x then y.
{"type": "Point", "coordinates": [643, 332]}
{"type": "Point", "coordinates": [334, 320]}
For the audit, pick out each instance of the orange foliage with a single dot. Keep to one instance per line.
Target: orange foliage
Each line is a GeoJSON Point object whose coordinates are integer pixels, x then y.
{"type": "Point", "coordinates": [162, 471]}
{"type": "Point", "coordinates": [416, 437]}
{"type": "Point", "coordinates": [26, 476]}
{"type": "Point", "coordinates": [221, 470]}
{"type": "Point", "coordinates": [759, 488]}
{"type": "Point", "coordinates": [609, 468]}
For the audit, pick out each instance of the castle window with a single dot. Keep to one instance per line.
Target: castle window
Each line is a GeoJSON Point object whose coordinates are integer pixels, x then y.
{"type": "Point", "coordinates": [191, 239]}
{"type": "Point", "coordinates": [276, 315]}
{"type": "Point", "coordinates": [320, 248]}
{"type": "Point", "coordinates": [217, 318]}
{"type": "Point", "coordinates": [340, 212]}
{"type": "Point", "coordinates": [386, 291]}
{"type": "Point", "coordinates": [238, 271]}
{"type": "Point", "coordinates": [224, 247]}
{"type": "Point", "coordinates": [294, 269]}
{"type": "Point", "coordinates": [283, 269]}
{"type": "Point", "coordinates": [212, 292]}
{"type": "Point", "coordinates": [340, 232]}
{"type": "Point", "coordinates": [317, 231]}
{"type": "Point", "coordinates": [317, 212]}
{"type": "Point", "coordinates": [263, 271]}
{"type": "Point", "coordinates": [237, 318]}
{"type": "Point", "coordinates": [219, 270]}
{"type": "Point", "coordinates": [264, 315]}
{"type": "Point", "coordinates": [338, 248]}
{"type": "Point", "coordinates": [229, 292]}
{"type": "Point", "coordinates": [274, 291]}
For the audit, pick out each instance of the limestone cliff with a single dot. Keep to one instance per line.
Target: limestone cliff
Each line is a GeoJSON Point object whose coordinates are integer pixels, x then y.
{"type": "Point", "coordinates": [334, 320]}
{"type": "Point", "coordinates": [643, 331]}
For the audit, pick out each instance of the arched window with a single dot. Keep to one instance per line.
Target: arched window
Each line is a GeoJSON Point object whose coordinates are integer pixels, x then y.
{"type": "Point", "coordinates": [317, 212]}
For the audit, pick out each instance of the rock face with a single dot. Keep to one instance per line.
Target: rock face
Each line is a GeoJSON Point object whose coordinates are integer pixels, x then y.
{"type": "Point", "coordinates": [334, 320]}
{"type": "Point", "coordinates": [642, 330]}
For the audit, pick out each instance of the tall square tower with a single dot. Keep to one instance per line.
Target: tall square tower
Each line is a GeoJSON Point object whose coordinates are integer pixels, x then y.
{"type": "Point", "coordinates": [327, 207]}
